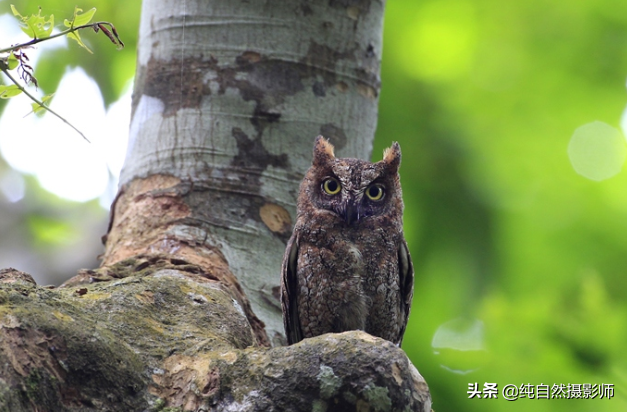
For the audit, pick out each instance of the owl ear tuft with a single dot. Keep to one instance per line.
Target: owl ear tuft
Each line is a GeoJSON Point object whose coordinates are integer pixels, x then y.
{"type": "Point", "coordinates": [392, 156]}
{"type": "Point", "coordinates": [323, 151]}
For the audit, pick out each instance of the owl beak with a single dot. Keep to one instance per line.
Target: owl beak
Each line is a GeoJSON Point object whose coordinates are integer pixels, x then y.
{"type": "Point", "coordinates": [351, 211]}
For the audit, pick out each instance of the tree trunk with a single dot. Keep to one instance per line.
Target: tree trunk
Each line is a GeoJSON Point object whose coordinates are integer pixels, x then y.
{"type": "Point", "coordinates": [229, 96]}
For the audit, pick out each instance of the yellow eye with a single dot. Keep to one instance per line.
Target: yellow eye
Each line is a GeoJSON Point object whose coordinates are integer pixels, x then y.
{"type": "Point", "coordinates": [331, 186]}
{"type": "Point", "coordinates": [375, 192]}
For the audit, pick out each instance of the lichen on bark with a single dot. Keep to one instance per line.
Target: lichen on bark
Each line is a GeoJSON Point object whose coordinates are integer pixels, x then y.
{"type": "Point", "coordinates": [171, 338]}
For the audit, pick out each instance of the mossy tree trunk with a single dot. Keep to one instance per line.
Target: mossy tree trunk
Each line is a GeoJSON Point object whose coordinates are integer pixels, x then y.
{"type": "Point", "coordinates": [184, 310]}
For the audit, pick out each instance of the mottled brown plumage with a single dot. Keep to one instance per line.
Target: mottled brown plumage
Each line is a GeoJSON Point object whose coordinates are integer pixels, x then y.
{"type": "Point", "coordinates": [347, 265]}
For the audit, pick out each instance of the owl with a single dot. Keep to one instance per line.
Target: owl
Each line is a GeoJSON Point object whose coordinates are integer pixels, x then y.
{"type": "Point", "coordinates": [346, 265]}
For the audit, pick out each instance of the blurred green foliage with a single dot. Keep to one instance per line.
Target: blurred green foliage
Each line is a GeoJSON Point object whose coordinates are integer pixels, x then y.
{"type": "Point", "coordinates": [519, 260]}
{"type": "Point", "coordinates": [47, 232]}
{"type": "Point", "coordinates": [484, 97]}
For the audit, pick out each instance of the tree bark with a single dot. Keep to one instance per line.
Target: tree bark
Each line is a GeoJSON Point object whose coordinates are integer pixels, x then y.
{"type": "Point", "coordinates": [229, 96]}
{"type": "Point", "coordinates": [184, 310]}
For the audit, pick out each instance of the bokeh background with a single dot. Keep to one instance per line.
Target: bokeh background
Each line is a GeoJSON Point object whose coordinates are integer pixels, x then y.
{"type": "Point", "coordinates": [509, 116]}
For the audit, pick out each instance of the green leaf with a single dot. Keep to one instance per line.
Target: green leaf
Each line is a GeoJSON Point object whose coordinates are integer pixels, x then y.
{"type": "Point", "coordinates": [16, 13]}
{"type": "Point", "coordinates": [80, 19]}
{"type": "Point", "coordinates": [41, 108]}
{"type": "Point", "coordinates": [77, 37]}
{"type": "Point", "coordinates": [9, 91]}
{"type": "Point", "coordinates": [12, 61]}
{"type": "Point", "coordinates": [35, 26]}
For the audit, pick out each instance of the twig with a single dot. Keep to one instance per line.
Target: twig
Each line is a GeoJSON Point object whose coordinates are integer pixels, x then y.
{"type": "Point", "coordinates": [40, 103]}
{"type": "Point", "coordinates": [96, 26]}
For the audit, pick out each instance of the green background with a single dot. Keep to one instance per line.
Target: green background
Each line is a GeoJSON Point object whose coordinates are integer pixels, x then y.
{"type": "Point", "coordinates": [520, 261]}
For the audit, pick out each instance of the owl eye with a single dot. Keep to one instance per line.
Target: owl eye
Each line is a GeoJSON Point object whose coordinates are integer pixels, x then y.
{"type": "Point", "coordinates": [331, 186]}
{"type": "Point", "coordinates": [375, 192]}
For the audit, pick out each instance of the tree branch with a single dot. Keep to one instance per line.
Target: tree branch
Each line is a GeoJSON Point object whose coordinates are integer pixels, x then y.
{"type": "Point", "coordinates": [143, 336]}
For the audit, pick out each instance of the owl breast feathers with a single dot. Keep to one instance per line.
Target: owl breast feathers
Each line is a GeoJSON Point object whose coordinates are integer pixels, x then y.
{"type": "Point", "coordinates": [347, 266]}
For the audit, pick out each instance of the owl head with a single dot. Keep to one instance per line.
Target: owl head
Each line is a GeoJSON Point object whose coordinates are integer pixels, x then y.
{"type": "Point", "coordinates": [353, 190]}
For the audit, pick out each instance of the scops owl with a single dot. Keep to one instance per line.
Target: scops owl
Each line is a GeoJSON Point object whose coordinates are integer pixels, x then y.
{"type": "Point", "coordinates": [347, 266]}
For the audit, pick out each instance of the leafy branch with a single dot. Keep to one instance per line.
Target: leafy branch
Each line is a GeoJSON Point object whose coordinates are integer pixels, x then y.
{"type": "Point", "coordinates": [39, 28]}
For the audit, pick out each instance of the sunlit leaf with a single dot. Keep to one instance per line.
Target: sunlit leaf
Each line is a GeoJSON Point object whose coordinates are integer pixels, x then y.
{"type": "Point", "coordinates": [16, 13]}
{"type": "Point", "coordinates": [76, 21]}
{"type": "Point", "coordinates": [9, 91]}
{"type": "Point", "coordinates": [12, 61]}
{"type": "Point", "coordinates": [80, 19]}
{"type": "Point", "coordinates": [36, 26]}
{"type": "Point", "coordinates": [39, 109]}
{"type": "Point", "coordinates": [77, 37]}
{"type": "Point", "coordinates": [85, 18]}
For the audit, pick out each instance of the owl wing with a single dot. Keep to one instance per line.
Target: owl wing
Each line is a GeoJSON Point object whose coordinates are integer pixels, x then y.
{"type": "Point", "coordinates": [406, 283]}
{"type": "Point", "coordinates": [289, 291]}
